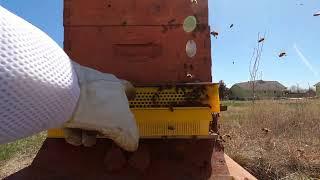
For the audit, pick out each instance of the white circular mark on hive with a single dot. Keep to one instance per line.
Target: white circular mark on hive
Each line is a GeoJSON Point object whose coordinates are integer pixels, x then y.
{"type": "Point", "coordinates": [191, 48]}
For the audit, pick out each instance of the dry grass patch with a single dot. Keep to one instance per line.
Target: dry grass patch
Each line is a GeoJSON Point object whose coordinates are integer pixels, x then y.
{"type": "Point", "coordinates": [275, 139]}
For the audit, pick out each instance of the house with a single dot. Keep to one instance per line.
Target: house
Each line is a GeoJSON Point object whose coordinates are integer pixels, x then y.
{"type": "Point", "coordinates": [263, 90]}
{"type": "Point", "coordinates": [317, 89]}
{"type": "Point", "coordinates": [302, 94]}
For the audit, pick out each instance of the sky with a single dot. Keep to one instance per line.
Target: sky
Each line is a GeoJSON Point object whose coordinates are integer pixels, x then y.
{"type": "Point", "coordinates": [289, 26]}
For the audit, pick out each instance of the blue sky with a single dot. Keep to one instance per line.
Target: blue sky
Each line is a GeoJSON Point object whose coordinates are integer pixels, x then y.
{"type": "Point", "coordinates": [290, 27]}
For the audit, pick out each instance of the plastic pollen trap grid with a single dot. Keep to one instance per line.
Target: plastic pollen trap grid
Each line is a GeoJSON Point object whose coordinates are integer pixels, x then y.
{"type": "Point", "coordinates": [158, 116]}
{"type": "Point", "coordinates": [152, 97]}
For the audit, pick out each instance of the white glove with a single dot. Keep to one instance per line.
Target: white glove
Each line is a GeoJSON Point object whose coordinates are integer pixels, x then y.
{"type": "Point", "coordinates": [103, 107]}
{"type": "Point", "coordinates": [39, 89]}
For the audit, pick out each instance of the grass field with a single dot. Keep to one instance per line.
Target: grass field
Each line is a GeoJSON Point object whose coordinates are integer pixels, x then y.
{"type": "Point", "coordinates": [271, 139]}
{"type": "Point", "coordinates": [274, 139]}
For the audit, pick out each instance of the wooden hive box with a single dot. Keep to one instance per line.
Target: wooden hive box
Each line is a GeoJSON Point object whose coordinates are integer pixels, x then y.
{"type": "Point", "coordinates": [142, 41]}
{"type": "Point", "coordinates": [132, 12]}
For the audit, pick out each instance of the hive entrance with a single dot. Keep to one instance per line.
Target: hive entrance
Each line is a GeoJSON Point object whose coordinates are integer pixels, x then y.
{"type": "Point", "coordinates": [170, 97]}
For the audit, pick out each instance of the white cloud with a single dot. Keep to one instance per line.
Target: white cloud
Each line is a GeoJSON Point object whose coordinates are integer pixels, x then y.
{"type": "Point", "coordinates": [305, 60]}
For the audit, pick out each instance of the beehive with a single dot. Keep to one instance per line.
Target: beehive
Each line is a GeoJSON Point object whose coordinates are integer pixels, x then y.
{"type": "Point", "coordinates": [142, 41]}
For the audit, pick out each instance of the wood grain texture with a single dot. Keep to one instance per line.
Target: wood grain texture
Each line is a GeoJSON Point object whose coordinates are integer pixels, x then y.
{"type": "Point", "coordinates": [132, 12]}
{"type": "Point", "coordinates": [141, 54]}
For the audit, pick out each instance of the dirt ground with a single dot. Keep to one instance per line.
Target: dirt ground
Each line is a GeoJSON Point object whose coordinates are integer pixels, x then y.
{"type": "Point", "coordinates": [272, 140]}
{"type": "Point", "coordinates": [18, 155]}
{"type": "Point", "coordinates": [15, 164]}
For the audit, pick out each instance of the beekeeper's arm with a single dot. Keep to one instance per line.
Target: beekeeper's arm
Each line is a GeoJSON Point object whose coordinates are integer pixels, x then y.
{"type": "Point", "coordinates": [41, 89]}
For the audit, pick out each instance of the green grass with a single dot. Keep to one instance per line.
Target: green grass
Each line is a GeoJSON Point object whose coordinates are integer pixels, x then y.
{"type": "Point", "coordinates": [28, 145]}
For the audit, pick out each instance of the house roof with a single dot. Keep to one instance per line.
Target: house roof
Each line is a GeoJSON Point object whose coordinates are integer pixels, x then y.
{"type": "Point", "coordinates": [262, 85]}
{"type": "Point", "coordinates": [318, 84]}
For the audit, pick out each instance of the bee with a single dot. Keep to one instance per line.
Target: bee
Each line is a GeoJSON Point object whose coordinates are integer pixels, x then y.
{"type": "Point", "coordinates": [194, 1]}
{"type": "Point", "coordinates": [171, 108]}
{"type": "Point", "coordinates": [124, 23]}
{"type": "Point", "coordinates": [164, 29]}
{"type": "Point", "coordinates": [161, 88]}
{"type": "Point", "coordinates": [260, 40]}
{"type": "Point", "coordinates": [171, 21]}
{"type": "Point", "coordinates": [155, 97]}
{"type": "Point", "coordinates": [189, 76]}
{"type": "Point", "coordinates": [215, 34]}
{"type": "Point", "coordinates": [266, 130]}
{"type": "Point", "coordinates": [282, 54]}
{"type": "Point", "coordinates": [226, 136]}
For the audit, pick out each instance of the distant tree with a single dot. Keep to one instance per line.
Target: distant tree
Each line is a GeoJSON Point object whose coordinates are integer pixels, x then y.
{"type": "Point", "coordinates": [293, 89]}
{"type": "Point", "coordinates": [310, 92]}
{"type": "Point", "coordinates": [224, 92]}
{"type": "Point", "coordinates": [255, 64]}
{"type": "Point", "coordinates": [297, 89]}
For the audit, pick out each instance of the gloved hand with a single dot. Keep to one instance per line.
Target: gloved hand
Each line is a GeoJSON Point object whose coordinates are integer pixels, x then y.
{"type": "Point", "coordinates": [102, 109]}
{"type": "Point", "coordinates": [40, 89]}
